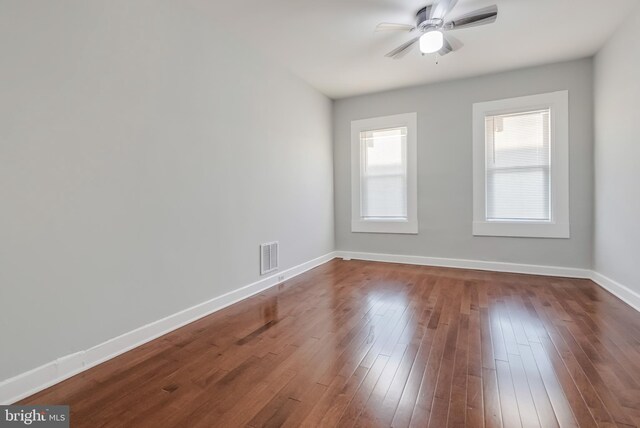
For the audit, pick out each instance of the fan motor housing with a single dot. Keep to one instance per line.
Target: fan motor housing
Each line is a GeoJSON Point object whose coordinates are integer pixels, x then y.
{"type": "Point", "coordinates": [423, 16]}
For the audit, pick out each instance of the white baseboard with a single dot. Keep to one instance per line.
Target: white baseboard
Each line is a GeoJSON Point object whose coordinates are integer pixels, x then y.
{"type": "Point", "coordinates": [469, 264]}
{"type": "Point", "coordinates": [28, 383]}
{"type": "Point", "coordinates": [625, 294]}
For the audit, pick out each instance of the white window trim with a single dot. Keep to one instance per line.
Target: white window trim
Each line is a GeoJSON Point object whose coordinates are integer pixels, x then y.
{"type": "Point", "coordinates": [410, 225]}
{"type": "Point", "coordinates": [558, 227]}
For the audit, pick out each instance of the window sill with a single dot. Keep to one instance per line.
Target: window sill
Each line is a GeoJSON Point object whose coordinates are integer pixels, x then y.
{"type": "Point", "coordinates": [521, 229]}
{"type": "Point", "coordinates": [385, 226]}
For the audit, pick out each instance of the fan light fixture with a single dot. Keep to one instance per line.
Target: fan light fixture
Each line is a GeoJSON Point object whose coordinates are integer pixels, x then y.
{"type": "Point", "coordinates": [431, 42]}
{"type": "Point", "coordinates": [432, 22]}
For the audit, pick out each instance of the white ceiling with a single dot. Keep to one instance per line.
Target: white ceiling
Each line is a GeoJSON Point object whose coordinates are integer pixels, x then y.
{"type": "Point", "coordinates": [332, 45]}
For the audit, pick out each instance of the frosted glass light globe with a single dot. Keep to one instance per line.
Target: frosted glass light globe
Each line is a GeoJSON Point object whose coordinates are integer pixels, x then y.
{"type": "Point", "coordinates": [431, 42]}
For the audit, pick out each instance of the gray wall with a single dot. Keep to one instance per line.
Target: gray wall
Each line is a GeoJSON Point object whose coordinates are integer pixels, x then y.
{"type": "Point", "coordinates": [143, 157]}
{"type": "Point", "coordinates": [445, 167]}
{"type": "Point", "coordinates": [617, 156]}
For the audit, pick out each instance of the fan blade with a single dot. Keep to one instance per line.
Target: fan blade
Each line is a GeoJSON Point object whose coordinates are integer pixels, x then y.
{"type": "Point", "coordinates": [388, 26]}
{"type": "Point", "coordinates": [454, 42]}
{"type": "Point", "coordinates": [401, 50]}
{"type": "Point", "coordinates": [446, 48]}
{"type": "Point", "coordinates": [441, 8]}
{"type": "Point", "coordinates": [450, 44]}
{"type": "Point", "coordinates": [483, 16]}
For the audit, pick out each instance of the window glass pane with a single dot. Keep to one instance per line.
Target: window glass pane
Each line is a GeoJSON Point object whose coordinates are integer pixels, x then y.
{"type": "Point", "coordinates": [383, 173]}
{"type": "Point", "coordinates": [518, 195]}
{"type": "Point", "coordinates": [518, 161]}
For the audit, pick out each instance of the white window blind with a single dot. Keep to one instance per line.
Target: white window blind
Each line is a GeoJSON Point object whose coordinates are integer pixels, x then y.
{"type": "Point", "coordinates": [383, 155]}
{"type": "Point", "coordinates": [384, 180]}
{"type": "Point", "coordinates": [518, 164]}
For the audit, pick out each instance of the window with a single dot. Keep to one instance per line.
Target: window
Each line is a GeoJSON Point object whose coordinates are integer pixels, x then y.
{"type": "Point", "coordinates": [521, 167]}
{"type": "Point", "coordinates": [518, 161]}
{"type": "Point", "coordinates": [384, 188]}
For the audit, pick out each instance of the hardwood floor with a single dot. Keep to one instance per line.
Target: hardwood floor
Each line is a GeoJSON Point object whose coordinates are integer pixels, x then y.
{"type": "Point", "coordinates": [365, 344]}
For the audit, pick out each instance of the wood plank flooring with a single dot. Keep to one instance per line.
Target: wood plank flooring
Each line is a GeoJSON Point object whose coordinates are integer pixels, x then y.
{"type": "Point", "coordinates": [365, 344]}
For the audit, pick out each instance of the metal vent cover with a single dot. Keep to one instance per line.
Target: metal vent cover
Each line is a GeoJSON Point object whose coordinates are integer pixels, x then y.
{"type": "Point", "coordinates": [268, 257]}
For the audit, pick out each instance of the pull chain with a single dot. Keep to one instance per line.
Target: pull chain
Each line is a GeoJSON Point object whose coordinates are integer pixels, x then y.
{"type": "Point", "coordinates": [436, 56]}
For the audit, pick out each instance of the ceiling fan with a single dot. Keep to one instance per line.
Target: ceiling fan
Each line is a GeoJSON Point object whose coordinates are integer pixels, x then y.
{"type": "Point", "coordinates": [432, 26]}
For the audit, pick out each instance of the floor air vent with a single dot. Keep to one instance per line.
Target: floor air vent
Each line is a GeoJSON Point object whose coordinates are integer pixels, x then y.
{"type": "Point", "coordinates": [268, 257]}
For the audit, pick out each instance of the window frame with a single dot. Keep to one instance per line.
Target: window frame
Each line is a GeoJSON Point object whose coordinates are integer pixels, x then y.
{"type": "Point", "coordinates": [380, 225]}
{"type": "Point", "coordinates": [558, 226]}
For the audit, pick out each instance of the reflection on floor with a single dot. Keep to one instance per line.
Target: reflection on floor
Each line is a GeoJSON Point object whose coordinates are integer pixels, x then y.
{"type": "Point", "coordinates": [373, 344]}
